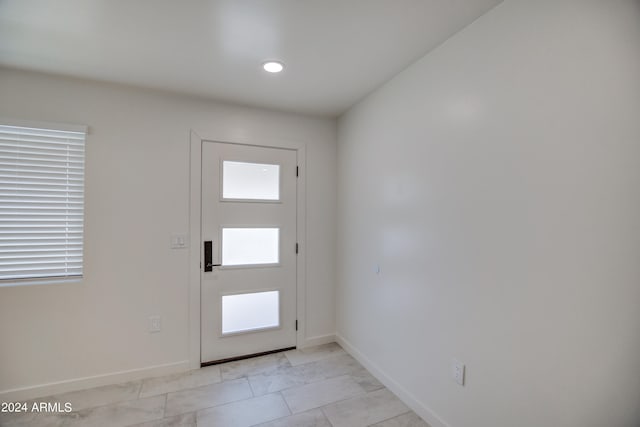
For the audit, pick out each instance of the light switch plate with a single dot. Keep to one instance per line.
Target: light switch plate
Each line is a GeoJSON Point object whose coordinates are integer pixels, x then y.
{"type": "Point", "coordinates": [179, 241]}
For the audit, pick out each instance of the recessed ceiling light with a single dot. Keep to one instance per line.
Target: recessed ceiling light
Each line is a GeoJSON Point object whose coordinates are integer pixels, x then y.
{"type": "Point", "coordinates": [273, 66]}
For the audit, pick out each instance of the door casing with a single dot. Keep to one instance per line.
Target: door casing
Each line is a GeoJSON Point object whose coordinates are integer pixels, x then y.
{"type": "Point", "coordinates": [195, 248]}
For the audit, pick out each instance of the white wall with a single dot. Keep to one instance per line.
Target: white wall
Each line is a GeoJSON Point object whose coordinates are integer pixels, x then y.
{"type": "Point", "coordinates": [497, 183]}
{"type": "Point", "coordinates": [137, 193]}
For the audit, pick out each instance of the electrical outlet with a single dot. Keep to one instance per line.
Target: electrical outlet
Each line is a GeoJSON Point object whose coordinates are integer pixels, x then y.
{"type": "Point", "coordinates": [457, 371]}
{"type": "Point", "coordinates": [155, 324]}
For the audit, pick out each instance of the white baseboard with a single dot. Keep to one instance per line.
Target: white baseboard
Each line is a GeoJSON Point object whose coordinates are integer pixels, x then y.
{"type": "Point", "coordinates": [318, 340]}
{"type": "Point", "coordinates": [403, 394]}
{"type": "Point", "coordinates": [75, 384]}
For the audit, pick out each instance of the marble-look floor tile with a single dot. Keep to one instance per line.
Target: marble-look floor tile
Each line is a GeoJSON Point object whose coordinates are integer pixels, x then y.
{"type": "Point", "coordinates": [367, 381]}
{"type": "Point", "coordinates": [80, 400]}
{"type": "Point", "coordinates": [410, 419]}
{"type": "Point", "coordinates": [254, 366]}
{"type": "Point", "coordinates": [334, 366]}
{"type": "Point", "coordinates": [118, 414]}
{"type": "Point", "coordinates": [183, 420]}
{"type": "Point", "coordinates": [321, 393]}
{"type": "Point", "coordinates": [180, 381]}
{"type": "Point", "coordinates": [194, 399]}
{"type": "Point", "coordinates": [365, 410]}
{"type": "Point", "coordinates": [282, 379]}
{"type": "Point", "coordinates": [245, 413]}
{"type": "Point", "coordinates": [313, 354]}
{"type": "Point", "coordinates": [30, 419]}
{"type": "Point", "coordinates": [312, 418]}
{"type": "Point", "coordinates": [97, 396]}
{"type": "Point", "coordinates": [322, 386]}
{"type": "Point", "coordinates": [312, 372]}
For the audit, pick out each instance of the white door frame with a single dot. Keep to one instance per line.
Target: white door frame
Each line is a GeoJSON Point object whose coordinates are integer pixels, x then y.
{"type": "Point", "coordinates": [195, 245]}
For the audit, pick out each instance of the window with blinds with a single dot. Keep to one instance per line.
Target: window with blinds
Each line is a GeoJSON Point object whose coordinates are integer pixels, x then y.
{"type": "Point", "coordinates": [41, 202]}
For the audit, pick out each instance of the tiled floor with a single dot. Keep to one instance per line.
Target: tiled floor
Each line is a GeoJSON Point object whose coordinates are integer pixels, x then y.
{"type": "Point", "coordinates": [316, 387]}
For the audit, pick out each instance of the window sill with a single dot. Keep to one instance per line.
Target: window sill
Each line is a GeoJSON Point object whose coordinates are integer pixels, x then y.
{"type": "Point", "coordinates": [41, 281]}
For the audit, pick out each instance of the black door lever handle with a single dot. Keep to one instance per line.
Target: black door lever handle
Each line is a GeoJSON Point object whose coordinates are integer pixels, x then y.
{"type": "Point", "coordinates": [208, 263]}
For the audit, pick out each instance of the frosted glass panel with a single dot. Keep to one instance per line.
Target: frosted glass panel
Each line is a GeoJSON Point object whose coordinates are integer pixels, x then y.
{"type": "Point", "coordinates": [246, 246]}
{"type": "Point", "coordinates": [246, 312]}
{"type": "Point", "coordinates": [253, 181]}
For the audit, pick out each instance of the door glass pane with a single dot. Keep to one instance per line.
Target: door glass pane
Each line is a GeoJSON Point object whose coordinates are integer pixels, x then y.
{"type": "Point", "coordinates": [246, 246]}
{"type": "Point", "coordinates": [246, 312]}
{"type": "Point", "coordinates": [254, 181]}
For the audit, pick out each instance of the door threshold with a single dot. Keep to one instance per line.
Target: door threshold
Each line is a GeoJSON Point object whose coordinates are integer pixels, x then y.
{"type": "Point", "coordinates": [248, 356]}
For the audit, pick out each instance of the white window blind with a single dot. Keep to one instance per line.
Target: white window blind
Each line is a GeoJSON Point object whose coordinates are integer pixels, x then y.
{"type": "Point", "coordinates": [41, 202]}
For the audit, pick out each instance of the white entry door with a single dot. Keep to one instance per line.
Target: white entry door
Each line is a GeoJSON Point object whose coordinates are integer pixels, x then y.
{"type": "Point", "coordinates": [248, 282]}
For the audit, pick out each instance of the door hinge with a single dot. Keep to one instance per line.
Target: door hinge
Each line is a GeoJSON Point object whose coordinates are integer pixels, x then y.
{"type": "Point", "coordinates": [296, 324]}
{"type": "Point", "coordinates": [296, 248]}
{"type": "Point", "coordinates": [297, 170]}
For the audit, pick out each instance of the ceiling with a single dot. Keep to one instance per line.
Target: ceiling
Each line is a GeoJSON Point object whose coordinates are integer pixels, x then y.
{"type": "Point", "coordinates": [335, 51]}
